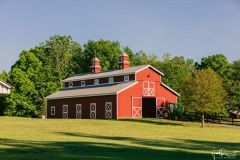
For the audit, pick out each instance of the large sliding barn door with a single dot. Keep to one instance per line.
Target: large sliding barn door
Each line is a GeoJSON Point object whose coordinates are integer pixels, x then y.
{"type": "Point", "coordinates": [160, 106]}
{"type": "Point", "coordinates": [148, 88]}
{"type": "Point", "coordinates": [136, 107]}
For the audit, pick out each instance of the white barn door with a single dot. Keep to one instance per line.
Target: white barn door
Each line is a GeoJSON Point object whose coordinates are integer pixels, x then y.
{"type": "Point", "coordinates": [93, 110]}
{"type": "Point", "coordinates": [108, 110]}
{"type": "Point", "coordinates": [65, 111]}
{"type": "Point", "coordinates": [160, 106]}
{"type": "Point", "coordinates": [136, 107]}
{"type": "Point", "coordinates": [78, 110]}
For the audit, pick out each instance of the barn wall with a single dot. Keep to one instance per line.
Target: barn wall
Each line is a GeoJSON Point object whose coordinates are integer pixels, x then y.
{"type": "Point", "coordinates": [125, 97]}
{"type": "Point", "coordinates": [85, 101]}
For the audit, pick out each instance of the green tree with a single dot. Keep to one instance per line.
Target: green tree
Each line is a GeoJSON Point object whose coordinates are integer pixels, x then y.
{"type": "Point", "coordinates": [232, 85]}
{"type": "Point", "coordinates": [24, 76]}
{"type": "Point", "coordinates": [107, 51]}
{"type": "Point", "coordinates": [4, 76]}
{"type": "Point", "coordinates": [217, 62]}
{"type": "Point", "coordinates": [205, 93]}
{"type": "Point", "coordinates": [141, 58]}
{"type": "Point", "coordinates": [176, 71]}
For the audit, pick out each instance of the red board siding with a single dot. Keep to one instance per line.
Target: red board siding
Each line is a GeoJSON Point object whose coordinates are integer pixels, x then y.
{"type": "Point", "coordinates": [103, 80]}
{"type": "Point", "coordinates": [89, 82]}
{"type": "Point", "coordinates": [85, 101]}
{"type": "Point", "coordinates": [125, 97]}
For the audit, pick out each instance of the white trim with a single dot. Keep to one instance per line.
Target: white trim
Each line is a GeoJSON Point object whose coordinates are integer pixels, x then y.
{"type": "Point", "coordinates": [93, 111]}
{"type": "Point", "coordinates": [127, 87]}
{"type": "Point", "coordinates": [117, 104]}
{"type": "Point", "coordinates": [158, 108]}
{"type": "Point", "coordinates": [170, 89]}
{"type": "Point", "coordinates": [150, 67]}
{"type": "Point", "coordinates": [66, 112]}
{"type": "Point", "coordinates": [54, 110]}
{"type": "Point", "coordinates": [6, 85]}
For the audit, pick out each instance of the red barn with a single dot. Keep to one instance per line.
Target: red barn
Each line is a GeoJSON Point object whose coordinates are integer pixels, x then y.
{"type": "Point", "coordinates": [128, 92]}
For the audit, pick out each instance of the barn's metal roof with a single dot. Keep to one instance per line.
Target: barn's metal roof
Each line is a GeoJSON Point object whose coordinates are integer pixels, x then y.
{"type": "Point", "coordinates": [109, 89]}
{"type": "Point", "coordinates": [110, 73]}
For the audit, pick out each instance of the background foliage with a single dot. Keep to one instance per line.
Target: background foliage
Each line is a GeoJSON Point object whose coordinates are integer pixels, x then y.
{"type": "Point", "coordinates": [38, 72]}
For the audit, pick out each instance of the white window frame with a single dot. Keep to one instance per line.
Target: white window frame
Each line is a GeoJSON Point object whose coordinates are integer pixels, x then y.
{"type": "Point", "coordinates": [70, 85]}
{"type": "Point", "coordinates": [126, 78]}
{"type": "Point", "coordinates": [110, 80]}
{"type": "Point", "coordinates": [93, 111]}
{"type": "Point", "coordinates": [66, 111]}
{"type": "Point", "coordinates": [108, 111]}
{"type": "Point", "coordinates": [82, 83]}
{"type": "Point", "coordinates": [52, 111]}
{"type": "Point", "coordinates": [96, 81]}
{"type": "Point", "coordinates": [80, 112]}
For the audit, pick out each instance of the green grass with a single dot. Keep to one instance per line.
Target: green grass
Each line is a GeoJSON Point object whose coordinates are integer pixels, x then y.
{"type": "Point", "coordinates": [24, 138]}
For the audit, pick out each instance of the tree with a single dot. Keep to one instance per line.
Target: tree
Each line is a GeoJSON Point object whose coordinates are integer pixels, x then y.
{"type": "Point", "coordinates": [232, 85]}
{"type": "Point", "coordinates": [107, 51]}
{"type": "Point", "coordinates": [24, 76]}
{"type": "Point", "coordinates": [217, 62]}
{"type": "Point", "coordinates": [205, 93]}
{"type": "Point", "coordinates": [177, 70]}
{"type": "Point", "coordinates": [39, 72]}
{"type": "Point", "coordinates": [4, 76]}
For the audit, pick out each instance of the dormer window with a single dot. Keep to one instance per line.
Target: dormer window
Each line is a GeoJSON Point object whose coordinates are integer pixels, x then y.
{"type": "Point", "coordinates": [82, 83]}
{"type": "Point", "coordinates": [110, 80]}
{"type": "Point", "coordinates": [96, 81]}
{"type": "Point", "coordinates": [126, 78]}
{"type": "Point", "coordinates": [70, 84]}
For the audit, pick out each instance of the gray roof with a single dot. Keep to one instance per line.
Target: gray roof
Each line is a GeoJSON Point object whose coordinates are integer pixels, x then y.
{"type": "Point", "coordinates": [91, 91]}
{"type": "Point", "coordinates": [110, 73]}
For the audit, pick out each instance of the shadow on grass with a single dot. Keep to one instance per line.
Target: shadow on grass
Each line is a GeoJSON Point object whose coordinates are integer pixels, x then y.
{"type": "Point", "coordinates": [136, 148]}
{"type": "Point", "coordinates": [154, 121]}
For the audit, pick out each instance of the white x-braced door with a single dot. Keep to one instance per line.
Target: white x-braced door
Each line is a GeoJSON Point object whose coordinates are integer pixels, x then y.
{"type": "Point", "coordinates": [78, 110]}
{"type": "Point", "coordinates": [136, 107]}
{"type": "Point", "coordinates": [160, 107]}
{"type": "Point", "coordinates": [108, 110]}
{"type": "Point", "coordinates": [65, 111]}
{"type": "Point", "coordinates": [148, 88]}
{"type": "Point", "coordinates": [93, 110]}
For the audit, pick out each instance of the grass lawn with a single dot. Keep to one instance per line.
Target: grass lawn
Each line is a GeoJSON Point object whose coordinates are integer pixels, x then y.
{"type": "Point", "coordinates": [37, 139]}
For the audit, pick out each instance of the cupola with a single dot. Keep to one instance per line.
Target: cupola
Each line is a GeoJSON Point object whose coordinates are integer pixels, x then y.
{"type": "Point", "coordinates": [123, 61]}
{"type": "Point", "coordinates": [95, 65]}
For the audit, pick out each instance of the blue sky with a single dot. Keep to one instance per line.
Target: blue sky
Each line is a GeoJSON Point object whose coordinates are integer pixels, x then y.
{"type": "Point", "coordinates": [192, 28]}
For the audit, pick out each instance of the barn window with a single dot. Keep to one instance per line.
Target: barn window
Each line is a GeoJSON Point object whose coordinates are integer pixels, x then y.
{"type": "Point", "coordinates": [82, 83]}
{"type": "Point", "coordinates": [110, 80]}
{"type": "Point", "coordinates": [53, 110]}
{"type": "Point", "coordinates": [108, 110]}
{"type": "Point", "coordinates": [96, 81]}
{"type": "Point", "coordinates": [93, 110]}
{"type": "Point", "coordinates": [126, 78]}
{"type": "Point", "coordinates": [70, 84]}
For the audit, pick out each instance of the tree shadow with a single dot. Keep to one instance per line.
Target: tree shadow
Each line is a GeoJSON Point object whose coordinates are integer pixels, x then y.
{"type": "Point", "coordinates": [153, 121]}
{"type": "Point", "coordinates": [110, 147]}
{"type": "Point", "coordinates": [19, 150]}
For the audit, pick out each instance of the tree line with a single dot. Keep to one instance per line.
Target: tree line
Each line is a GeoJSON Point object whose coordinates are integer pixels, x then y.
{"type": "Point", "coordinates": [211, 85]}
